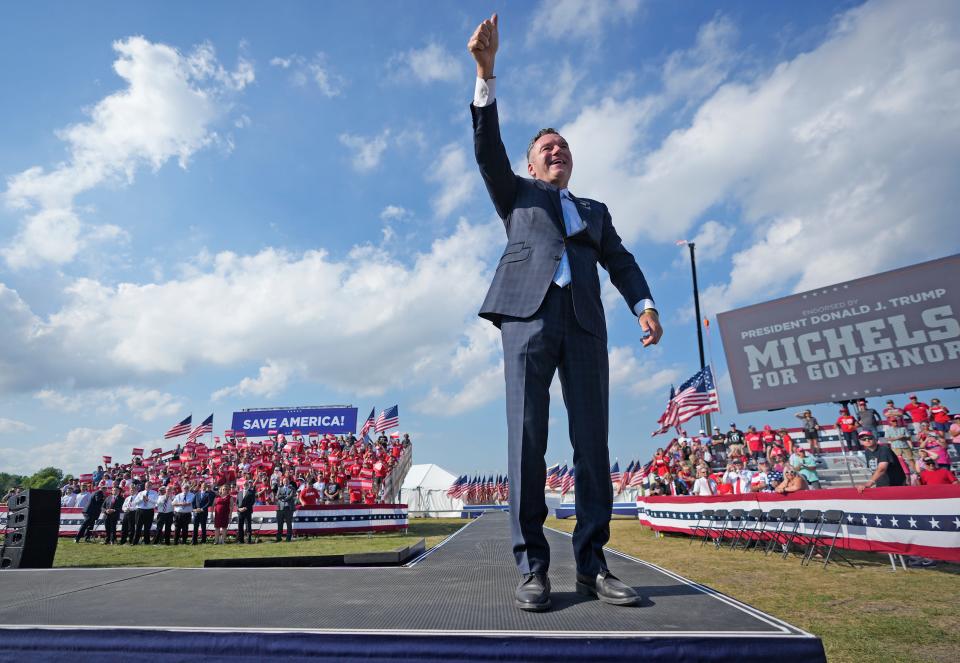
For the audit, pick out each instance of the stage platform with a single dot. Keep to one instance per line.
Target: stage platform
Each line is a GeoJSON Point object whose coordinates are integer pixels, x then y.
{"type": "Point", "coordinates": [454, 602]}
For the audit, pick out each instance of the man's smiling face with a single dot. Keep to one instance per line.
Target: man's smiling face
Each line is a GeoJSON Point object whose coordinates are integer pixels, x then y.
{"type": "Point", "coordinates": [550, 160]}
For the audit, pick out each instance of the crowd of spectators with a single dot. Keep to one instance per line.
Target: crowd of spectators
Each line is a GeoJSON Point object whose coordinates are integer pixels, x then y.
{"type": "Point", "coordinates": [196, 485]}
{"type": "Point", "coordinates": [915, 450]}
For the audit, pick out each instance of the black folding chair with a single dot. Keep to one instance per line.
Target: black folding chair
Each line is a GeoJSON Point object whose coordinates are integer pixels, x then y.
{"type": "Point", "coordinates": [733, 525]}
{"type": "Point", "coordinates": [798, 536]}
{"type": "Point", "coordinates": [834, 519]}
{"type": "Point", "coordinates": [703, 516]}
{"type": "Point", "coordinates": [764, 530]}
{"type": "Point", "coordinates": [787, 518]}
{"type": "Point", "coordinates": [717, 521]}
{"type": "Point", "coordinates": [747, 533]}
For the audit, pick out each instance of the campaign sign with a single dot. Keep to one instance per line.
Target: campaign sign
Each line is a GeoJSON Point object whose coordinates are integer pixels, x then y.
{"type": "Point", "coordinates": [889, 333]}
{"type": "Point", "coordinates": [335, 420]}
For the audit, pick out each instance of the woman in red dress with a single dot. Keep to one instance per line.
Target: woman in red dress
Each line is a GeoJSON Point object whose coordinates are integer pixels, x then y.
{"type": "Point", "coordinates": [222, 507]}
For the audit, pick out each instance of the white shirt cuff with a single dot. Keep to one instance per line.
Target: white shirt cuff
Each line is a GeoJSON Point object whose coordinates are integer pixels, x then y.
{"type": "Point", "coordinates": [643, 304]}
{"type": "Point", "coordinates": [485, 92]}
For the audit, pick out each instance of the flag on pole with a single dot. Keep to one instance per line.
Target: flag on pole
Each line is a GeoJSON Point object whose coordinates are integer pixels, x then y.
{"type": "Point", "coordinates": [615, 475]}
{"type": "Point", "coordinates": [625, 479]}
{"type": "Point", "coordinates": [387, 419]}
{"type": "Point", "coordinates": [556, 480]}
{"type": "Point", "coordinates": [180, 429]}
{"type": "Point", "coordinates": [368, 424]}
{"type": "Point", "coordinates": [669, 417]}
{"type": "Point", "coordinates": [202, 429]}
{"type": "Point", "coordinates": [697, 396]}
{"type": "Point", "coordinates": [551, 471]}
{"type": "Point", "coordinates": [568, 482]}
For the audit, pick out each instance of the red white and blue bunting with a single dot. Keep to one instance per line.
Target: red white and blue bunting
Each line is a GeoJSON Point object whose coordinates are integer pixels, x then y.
{"type": "Point", "coordinates": [921, 520]}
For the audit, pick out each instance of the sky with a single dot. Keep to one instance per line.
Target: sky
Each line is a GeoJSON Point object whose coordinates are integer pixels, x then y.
{"type": "Point", "coordinates": [220, 206]}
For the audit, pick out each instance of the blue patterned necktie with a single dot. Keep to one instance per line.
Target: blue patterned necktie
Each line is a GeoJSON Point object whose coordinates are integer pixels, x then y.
{"type": "Point", "coordinates": [574, 224]}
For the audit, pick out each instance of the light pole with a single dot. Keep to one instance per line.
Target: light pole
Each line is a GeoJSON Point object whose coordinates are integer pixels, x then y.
{"type": "Point", "coordinates": [696, 306]}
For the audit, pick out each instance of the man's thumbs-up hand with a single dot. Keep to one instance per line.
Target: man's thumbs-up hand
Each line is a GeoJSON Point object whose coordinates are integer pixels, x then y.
{"type": "Point", "coordinates": [483, 46]}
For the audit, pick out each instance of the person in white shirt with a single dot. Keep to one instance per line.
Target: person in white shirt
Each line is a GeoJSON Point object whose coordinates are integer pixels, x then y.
{"type": "Point", "coordinates": [738, 477]}
{"type": "Point", "coordinates": [164, 515]}
{"type": "Point", "coordinates": [144, 503]}
{"type": "Point", "coordinates": [69, 499]}
{"type": "Point", "coordinates": [704, 485]}
{"type": "Point", "coordinates": [129, 522]}
{"type": "Point", "coordinates": [183, 511]}
{"type": "Point", "coordinates": [83, 499]}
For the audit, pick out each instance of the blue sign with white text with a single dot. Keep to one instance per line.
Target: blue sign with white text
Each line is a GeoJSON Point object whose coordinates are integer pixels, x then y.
{"type": "Point", "coordinates": [335, 420]}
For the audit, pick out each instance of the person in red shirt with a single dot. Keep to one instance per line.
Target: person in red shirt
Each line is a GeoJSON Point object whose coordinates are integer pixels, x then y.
{"type": "Point", "coordinates": [847, 424]}
{"type": "Point", "coordinates": [356, 496]}
{"type": "Point", "coordinates": [754, 442]}
{"type": "Point", "coordinates": [309, 496]}
{"type": "Point", "coordinates": [918, 411]}
{"type": "Point", "coordinates": [940, 415]}
{"type": "Point", "coordinates": [369, 497]}
{"type": "Point", "coordinates": [931, 475]}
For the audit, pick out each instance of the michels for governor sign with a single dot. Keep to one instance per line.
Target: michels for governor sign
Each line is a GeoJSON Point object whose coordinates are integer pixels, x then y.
{"type": "Point", "coordinates": [888, 333]}
{"type": "Point", "coordinates": [335, 420]}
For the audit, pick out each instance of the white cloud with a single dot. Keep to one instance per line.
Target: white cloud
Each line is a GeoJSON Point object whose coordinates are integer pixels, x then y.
{"type": "Point", "coordinates": [477, 391]}
{"type": "Point", "coordinates": [272, 378]}
{"type": "Point", "coordinates": [75, 452]}
{"type": "Point", "coordinates": [711, 243]}
{"type": "Point", "coordinates": [853, 144]}
{"type": "Point", "coordinates": [394, 213]}
{"type": "Point", "coordinates": [639, 377]}
{"type": "Point", "coordinates": [167, 110]}
{"type": "Point", "coordinates": [428, 64]}
{"type": "Point", "coordinates": [315, 71]}
{"type": "Point", "coordinates": [14, 426]}
{"type": "Point", "coordinates": [577, 19]}
{"type": "Point", "coordinates": [455, 177]}
{"type": "Point", "coordinates": [401, 315]}
{"type": "Point", "coordinates": [145, 404]}
{"type": "Point", "coordinates": [367, 152]}
{"type": "Point", "coordinates": [692, 74]}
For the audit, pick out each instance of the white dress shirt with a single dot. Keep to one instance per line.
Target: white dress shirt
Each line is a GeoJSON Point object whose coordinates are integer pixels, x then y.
{"type": "Point", "coordinates": [128, 503]}
{"type": "Point", "coordinates": [183, 502]}
{"type": "Point", "coordinates": [484, 94]}
{"type": "Point", "coordinates": [165, 504]}
{"type": "Point", "coordinates": [146, 499]}
{"type": "Point", "coordinates": [83, 499]}
{"type": "Point", "coordinates": [68, 500]}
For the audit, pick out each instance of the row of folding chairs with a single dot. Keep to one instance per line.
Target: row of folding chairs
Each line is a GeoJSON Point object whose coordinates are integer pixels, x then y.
{"type": "Point", "coordinates": [806, 530]}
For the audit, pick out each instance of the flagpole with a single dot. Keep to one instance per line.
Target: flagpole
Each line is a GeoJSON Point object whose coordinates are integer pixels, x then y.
{"type": "Point", "coordinates": [696, 306]}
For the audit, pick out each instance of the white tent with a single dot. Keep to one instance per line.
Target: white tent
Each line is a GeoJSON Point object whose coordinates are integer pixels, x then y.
{"type": "Point", "coordinates": [424, 491]}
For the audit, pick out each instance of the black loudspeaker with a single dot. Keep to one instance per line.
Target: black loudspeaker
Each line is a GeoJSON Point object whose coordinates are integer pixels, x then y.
{"type": "Point", "coordinates": [33, 525]}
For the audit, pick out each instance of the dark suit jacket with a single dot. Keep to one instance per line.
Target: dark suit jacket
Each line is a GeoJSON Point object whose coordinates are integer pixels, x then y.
{"type": "Point", "coordinates": [114, 502]}
{"type": "Point", "coordinates": [95, 505]}
{"type": "Point", "coordinates": [247, 499]}
{"type": "Point", "coordinates": [203, 500]}
{"type": "Point", "coordinates": [536, 237]}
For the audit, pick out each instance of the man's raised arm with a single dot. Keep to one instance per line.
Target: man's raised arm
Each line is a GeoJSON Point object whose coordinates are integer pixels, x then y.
{"type": "Point", "coordinates": [488, 146]}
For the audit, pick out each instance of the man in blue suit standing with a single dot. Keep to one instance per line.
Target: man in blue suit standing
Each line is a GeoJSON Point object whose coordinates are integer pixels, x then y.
{"type": "Point", "coordinates": [545, 298]}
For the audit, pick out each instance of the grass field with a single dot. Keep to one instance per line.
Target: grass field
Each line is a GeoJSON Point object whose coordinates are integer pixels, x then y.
{"type": "Point", "coordinates": [863, 614]}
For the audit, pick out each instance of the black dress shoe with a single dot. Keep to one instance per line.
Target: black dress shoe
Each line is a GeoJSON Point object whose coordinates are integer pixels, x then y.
{"type": "Point", "coordinates": [533, 593]}
{"type": "Point", "coordinates": [608, 588]}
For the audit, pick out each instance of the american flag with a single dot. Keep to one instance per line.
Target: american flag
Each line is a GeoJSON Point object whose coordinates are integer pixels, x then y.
{"type": "Point", "coordinates": [368, 424]}
{"type": "Point", "coordinates": [455, 488]}
{"type": "Point", "coordinates": [615, 475]}
{"type": "Point", "coordinates": [551, 472]}
{"type": "Point", "coordinates": [696, 396]}
{"type": "Point", "coordinates": [640, 473]}
{"type": "Point", "coordinates": [387, 419]}
{"type": "Point", "coordinates": [625, 479]}
{"type": "Point", "coordinates": [202, 429]}
{"type": "Point", "coordinates": [567, 483]}
{"type": "Point", "coordinates": [556, 479]}
{"type": "Point", "coordinates": [180, 429]}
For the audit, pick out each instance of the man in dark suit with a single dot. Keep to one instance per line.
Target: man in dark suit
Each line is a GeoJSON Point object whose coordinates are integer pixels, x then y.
{"type": "Point", "coordinates": [112, 508]}
{"type": "Point", "coordinates": [202, 503]}
{"type": "Point", "coordinates": [545, 298]}
{"type": "Point", "coordinates": [90, 515]}
{"type": "Point", "coordinates": [286, 503]}
{"type": "Point", "coordinates": [245, 502]}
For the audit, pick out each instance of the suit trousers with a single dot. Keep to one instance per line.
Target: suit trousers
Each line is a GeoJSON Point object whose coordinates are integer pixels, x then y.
{"type": "Point", "coordinates": [86, 528]}
{"type": "Point", "coordinates": [144, 523]}
{"type": "Point", "coordinates": [284, 517]}
{"type": "Point", "coordinates": [534, 349]}
{"type": "Point", "coordinates": [245, 526]}
{"type": "Point", "coordinates": [164, 523]}
{"type": "Point", "coordinates": [127, 526]}
{"type": "Point", "coordinates": [200, 523]}
{"type": "Point", "coordinates": [110, 526]}
{"type": "Point", "coordinates": [181, 527]}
